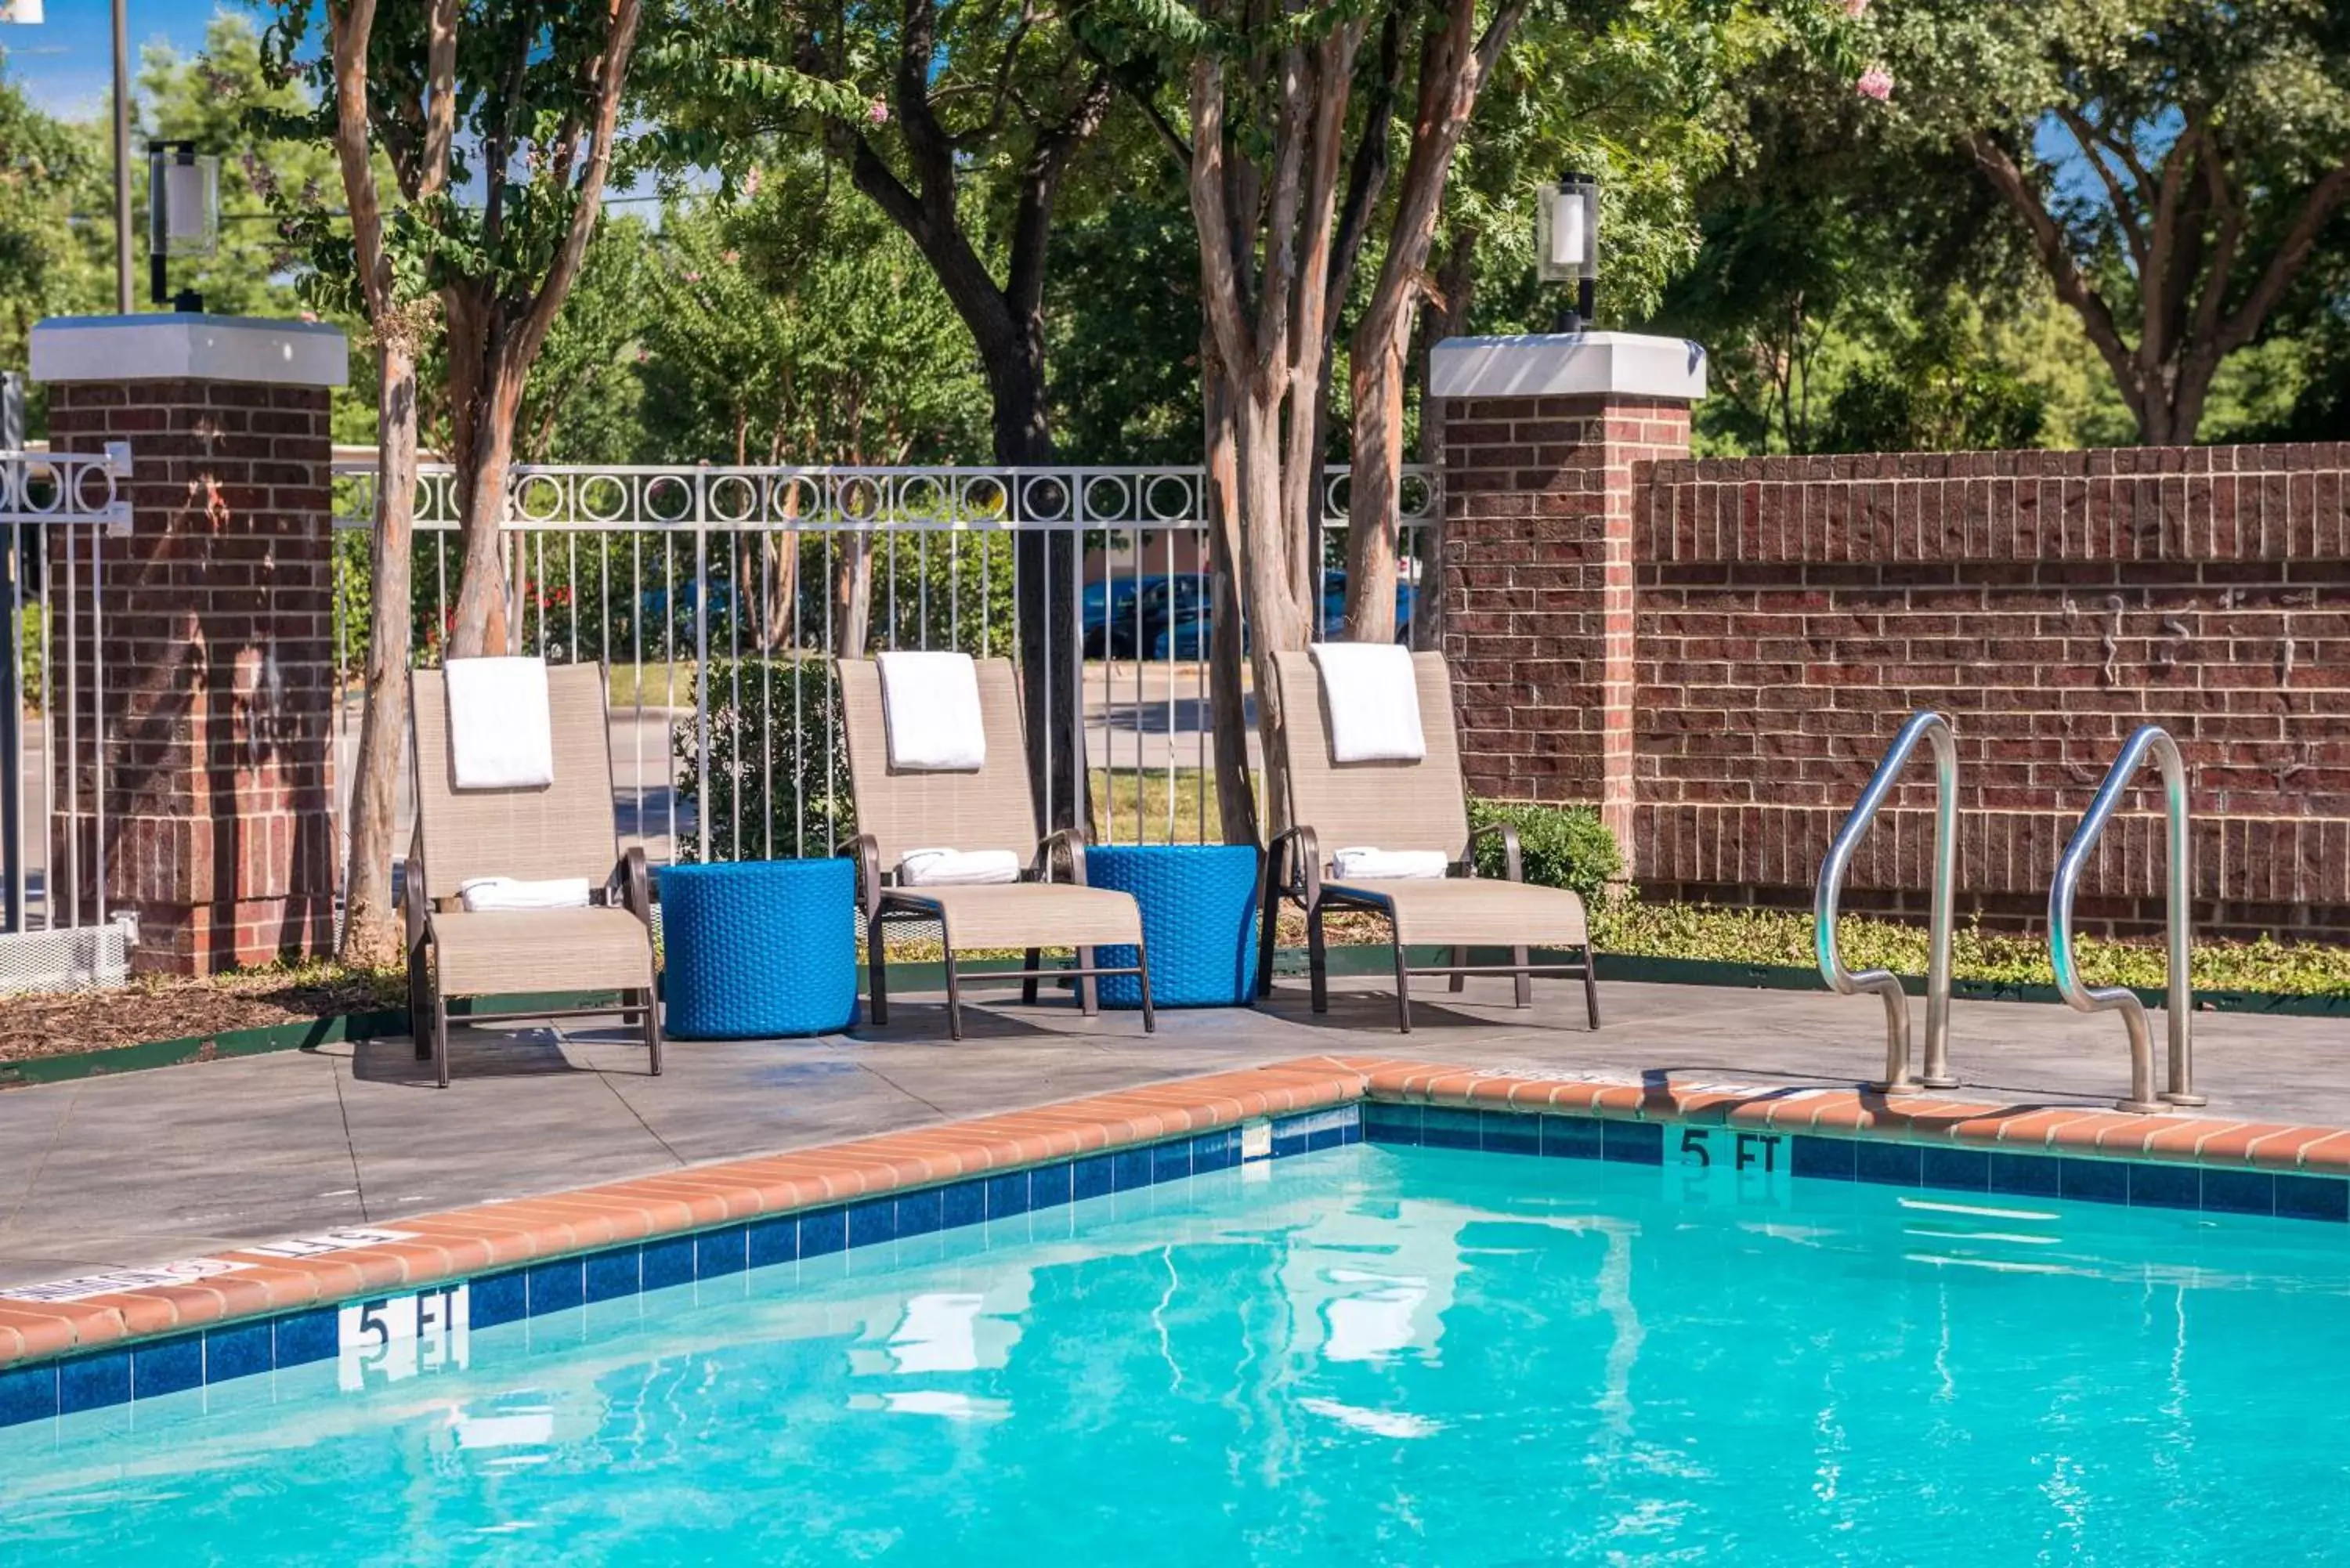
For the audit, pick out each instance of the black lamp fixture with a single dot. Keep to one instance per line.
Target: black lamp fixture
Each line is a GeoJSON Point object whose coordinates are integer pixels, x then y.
{"type": "Point", "coordinates": [1566, 243]}
{"type": "Point", "coordinates": [183, 214]}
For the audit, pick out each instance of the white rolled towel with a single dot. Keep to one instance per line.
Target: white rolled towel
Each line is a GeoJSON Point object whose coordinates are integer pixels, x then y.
{"type": "Point", "coordinates": [478, 893]}
{"type": "Point", "coordinates": [957, 867]}
{"type": "Point", "coordinates": [1365, 865]}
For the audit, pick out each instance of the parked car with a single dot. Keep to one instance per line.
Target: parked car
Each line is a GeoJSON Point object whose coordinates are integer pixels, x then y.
{"type": "Point", "coordinates": [1188, 637]}
{"type": "Point", "coordinates": [1106, 602]}
{"type": "Point", "coordinates": [1163, 602]}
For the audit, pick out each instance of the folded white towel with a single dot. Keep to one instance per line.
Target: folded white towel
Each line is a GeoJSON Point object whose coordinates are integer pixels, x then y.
{"type": "Point", "coordinates": [499, 734]}
{"type": "Point", "coordinates": [1361, 865]}
{"type": "Point", "coordinates": [929, 706]}
{"type": "Point", "coordinates": [953, 868]}
{"type": "Point", "coordinates": [513, 893]}
{"type": "Point", "coordinates": [1373, 695]}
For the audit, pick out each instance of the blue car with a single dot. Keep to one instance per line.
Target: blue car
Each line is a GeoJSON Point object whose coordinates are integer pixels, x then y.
{"type": "Point", "coordinates": [1106, 614]}
{"type": "Point", "coordinates": [1187, 636]}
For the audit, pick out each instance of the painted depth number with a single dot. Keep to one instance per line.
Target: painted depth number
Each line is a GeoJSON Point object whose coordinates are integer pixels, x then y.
{"type": "Point", "coordinates": [1720, 1164]}
{"type": "Point", "coordinates": [391, 1340]}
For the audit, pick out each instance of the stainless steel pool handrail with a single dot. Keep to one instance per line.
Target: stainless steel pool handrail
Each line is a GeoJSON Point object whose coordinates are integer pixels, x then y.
{"type": "Point", "coordinates": [2179, 881]}
{"type": "Point", "coordinates": [1926, 725]}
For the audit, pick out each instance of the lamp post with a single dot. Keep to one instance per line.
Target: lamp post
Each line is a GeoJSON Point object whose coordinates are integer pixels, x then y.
{"type": "Point", "coordinates": [182, 216]}
{"type": "Point", "coordinates": [1566, 243]}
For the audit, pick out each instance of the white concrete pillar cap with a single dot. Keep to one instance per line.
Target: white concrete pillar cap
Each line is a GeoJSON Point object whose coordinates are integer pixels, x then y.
{"type": "Point", "coordinates": [190, 347]}
{"type": "Point", "coordinates": [1580, 364]}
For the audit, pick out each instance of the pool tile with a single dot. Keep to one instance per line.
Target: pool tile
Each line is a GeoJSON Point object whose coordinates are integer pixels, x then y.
{"type": "Point", "coordinates": [1130, 1170]}
{"type": "Point", "coordinates": [500, 1298]}
{"type": "Point", "coordinates": [246, 1348]}
{"type": "Point", "coordinates": [1445, 1126]}
{"type": "Point", "coordinates": [668, 1263]}
{"type": "Point", "coordinates": [772, 1242]}
{"type": "Point", "coordinates": [611, 1275]}
{"type": "Point", "coordinates": [2026, 1175]}
{"type": "Point", "coordinates": [1571, 1138]}
{"type": "Point", "coordinates": [823, 1232]}
{"type": "Point", "coordinates": [1088, 1178]}
{"type": "Point", "coordinates": [1218, 1150]}
{"type": "Point", "coordinates": [1892, 1164]}
{"type": "Point", "coordinates": [29, 1394]}
{"type": "Point", "coordinates": [1050, 1186]}
{"type": "Point", "coordinates": [921, 1213]}
{"type": "Point", "coordinates": [2240, 1191]}
{"type": "Point", "coordinates": [1171, 1161]}
{"type": "Point", "coordinates": [308, 1336]}
{"type": "Point", "coordinates": [555, 1287]}
{"type": "Point", "coordinates": [1826, 1158]}
{"type": "Point", "coordinates": [2155, 1186]}
{"type": "Point", "coordinates": [1008, 1195]}
{"type": "Point", "coordinates": [873, 1222]}
{"type": "Point", "coordinates": [167, 1366]}
{"type": "Point", "coordinates": [1391, 1124]}
{"type": "Point", "coordinates": [719, 1252]}
{"type": "Point", "coordinates": [1960, 1169]}
{"type": "Point", "coordinates": [964, 1203]}
{"type": "Point", "coordinates": [2094, 1180]}
{"type": "Point", "coordinates": [1632, 1143]}
{"type": "Point", "coordinates": [93, 1382]}
{"type": "Point", "coordinates": [1507, 1132]}
{"type": "Point", "coordinates": [2312, 1198]}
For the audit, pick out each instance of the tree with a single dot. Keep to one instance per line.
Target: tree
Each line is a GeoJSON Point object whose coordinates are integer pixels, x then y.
{"type": "Point", "coordinates": [46, 170]}
{"type": "Point", "coordinates": [960, 122]}
{"type": "Point", "coordinates": [2174, 166]}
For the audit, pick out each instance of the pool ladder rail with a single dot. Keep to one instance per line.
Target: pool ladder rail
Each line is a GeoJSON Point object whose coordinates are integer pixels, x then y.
{"type": "Point", "coordinates": [2180, 881]}
{"type": "Point", "coordinates": [1924, 726]}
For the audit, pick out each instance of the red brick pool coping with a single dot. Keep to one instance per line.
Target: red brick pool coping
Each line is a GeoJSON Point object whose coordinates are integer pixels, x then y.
{"type": "Point", "coordinates": [467, 1241]}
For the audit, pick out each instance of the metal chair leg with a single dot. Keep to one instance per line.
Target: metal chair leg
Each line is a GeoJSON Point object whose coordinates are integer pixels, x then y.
{"type": "Point", "coordinates": [1459, 982]}
{"type": "Point", "coordinates": [1403, 990]}
{"type": "Point", "coordinates": [1318, 959]}
{"type": "Point", "coordinates": [420, 1003]}
{"type": "Point", "coordinates": [652, 1026]}
{"type": "Point", "coordinates": [954, 999]}
{"type": "Point", "coordinates": [1590, 986]}
{"type": "Point", "coordinates": [1268, 930]}
{"type": "Point", "coordinates": [440, 1036]}
{"type": "Point", "coordinates": [1150, 1014]}
{"type": "Point", "coordinates": [877, 970]}
{"type": "Point", "coordinates": [1033, 959]}
{"type": "Point", "coordinates": [1089, 988]}
{"type": "Point", "coordinates": [1525, 982]}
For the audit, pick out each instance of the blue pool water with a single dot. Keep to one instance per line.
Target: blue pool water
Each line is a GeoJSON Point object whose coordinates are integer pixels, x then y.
{"type": "Point", "coordinates": [1362, 1356]}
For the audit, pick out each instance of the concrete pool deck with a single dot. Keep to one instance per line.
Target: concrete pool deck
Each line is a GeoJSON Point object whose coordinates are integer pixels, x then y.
{"type": "Point", "coordinates": [145, 1168]}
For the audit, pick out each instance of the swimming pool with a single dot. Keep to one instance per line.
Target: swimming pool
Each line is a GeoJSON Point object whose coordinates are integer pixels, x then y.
{"type": "Point", "coordinates": [1366, 1353]}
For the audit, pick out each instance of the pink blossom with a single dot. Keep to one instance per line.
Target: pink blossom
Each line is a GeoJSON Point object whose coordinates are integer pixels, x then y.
{"type": "Point", "coordinates": [877, 112]}
{"type": "Point", "coordinates": [1876, 82]}
{"type": "Point", "coordinates": [693, 278]}
{"type": "Point", "coordinates": [733, 258]}
{"type": "Point", "coordinates": [752, 180]}
{"type": "Point", "coordinates": [1856, 9]}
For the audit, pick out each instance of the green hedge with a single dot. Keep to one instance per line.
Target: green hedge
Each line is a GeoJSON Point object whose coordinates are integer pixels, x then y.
{"type": "Point", "coordinates": [1561, 845]}
{"type": "Point", "coordinates": [775, 783]}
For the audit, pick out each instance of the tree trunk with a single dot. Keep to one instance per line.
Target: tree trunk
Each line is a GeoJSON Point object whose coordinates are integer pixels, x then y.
{"type": "Point", "coordinates": [1277, 618]}
{"type": "Point", "coordinates": [1236, 809]}
{"type": "Point", "coordinates": [371, 935]}
{"type": "Point", "coordinates": [1456, 288]}
{"type": "Point", "coordinates": [852, 595]}
{"type": "Point", "coordinates": [1374, 477]}
{"type": "Point", "coordinates": [1046, 562]}
{"type": "Point", "coordinates": [484, 392]}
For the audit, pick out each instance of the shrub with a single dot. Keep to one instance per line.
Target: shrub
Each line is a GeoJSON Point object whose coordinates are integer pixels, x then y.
{"type": "Point", "coordinates": [775, 783]}
{"type": "Point", "coordinates": [1561, 847]}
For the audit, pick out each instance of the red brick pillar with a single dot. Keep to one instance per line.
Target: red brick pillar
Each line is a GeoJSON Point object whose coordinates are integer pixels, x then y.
{"type": "Point", "coordinates": [210, 775]}
{"type": "Point", "coordinates": [1543, 441]}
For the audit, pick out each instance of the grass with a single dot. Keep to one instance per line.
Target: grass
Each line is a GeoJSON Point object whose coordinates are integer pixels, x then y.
{"type": "Point", "coordinates": [1173, 810]}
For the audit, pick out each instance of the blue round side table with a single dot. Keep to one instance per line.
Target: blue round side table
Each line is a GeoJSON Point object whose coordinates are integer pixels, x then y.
{"type": "Point", "coordinates": [757, 948]}
{"type": "Point", "coordinates": [1198, 915]}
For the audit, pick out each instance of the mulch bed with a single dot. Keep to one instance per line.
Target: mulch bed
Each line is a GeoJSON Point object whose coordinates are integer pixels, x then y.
{"type": "Point", "coordinates": [62, 1023]}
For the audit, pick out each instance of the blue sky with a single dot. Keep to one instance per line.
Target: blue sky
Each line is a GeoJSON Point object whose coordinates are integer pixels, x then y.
{"type": "Point", "coordinates": [65, 63]}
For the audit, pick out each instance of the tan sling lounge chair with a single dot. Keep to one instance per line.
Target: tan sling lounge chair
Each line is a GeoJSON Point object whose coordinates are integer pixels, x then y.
{"type": "Point", "coordinates": [987, 808]}
{"type": "Point", "coordinates": [1406, 805]}
{"type": "Point", "coordinates": [565, 829]}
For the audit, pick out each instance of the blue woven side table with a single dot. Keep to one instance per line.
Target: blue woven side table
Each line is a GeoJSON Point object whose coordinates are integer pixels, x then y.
{"type": "Point", "coordinates": [1198, 915]}
{"type": "Point", "coordinates": [758, 947]}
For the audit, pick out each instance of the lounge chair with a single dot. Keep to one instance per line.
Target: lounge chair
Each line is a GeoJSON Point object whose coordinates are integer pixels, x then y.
{"type": "Point", "coordinates": [1405, 806]}
{"type": "Point", "coordinates": [989, 807]}
{"type": "Point", "coordinates": [565, 829]}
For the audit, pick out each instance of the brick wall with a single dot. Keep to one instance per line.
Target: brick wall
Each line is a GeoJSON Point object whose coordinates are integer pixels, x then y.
{"type": "Point", "coordinates": [1788, 613]}
{"type": "Point", "coordinates": [216, 615]}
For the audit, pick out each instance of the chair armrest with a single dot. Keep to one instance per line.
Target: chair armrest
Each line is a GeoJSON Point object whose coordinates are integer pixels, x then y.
{"type": "Point", "coordinates": [1512, 861]}
{"type": "Point", "coordinates": [1071, 844]}
{"type": "Point", "coordinates": [413, 904]}
{"type": "Point", "coordinates": [866, 851]}
{"type": "Point", "coordinates": [632, 881]}
{"type": "Point", "coordinates": [1294, 865]}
